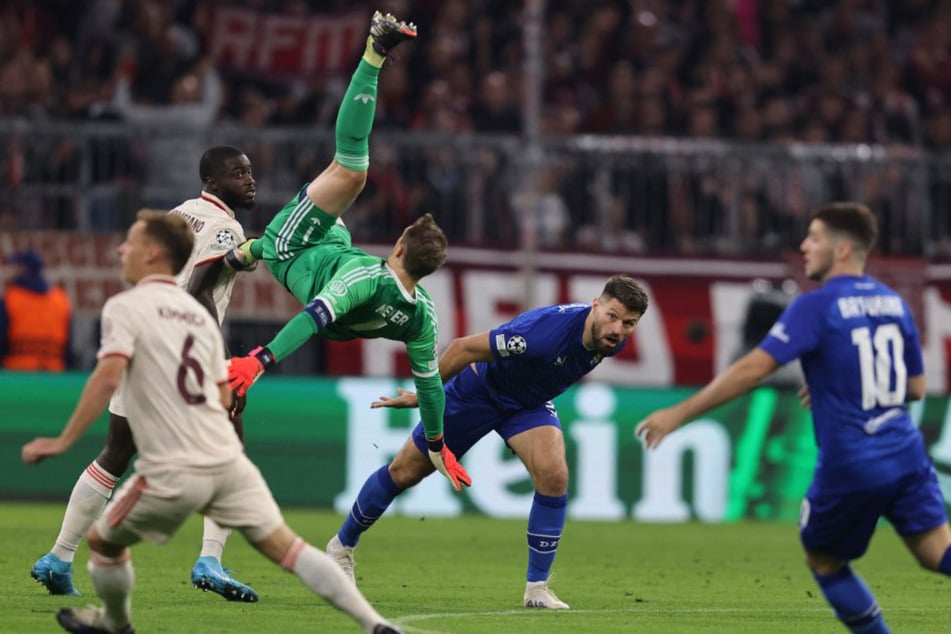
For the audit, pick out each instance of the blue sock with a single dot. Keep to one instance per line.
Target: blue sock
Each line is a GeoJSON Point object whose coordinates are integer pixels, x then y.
{"type": "Point", "coordinates": [545, 523]}
{"type": "Point", "coordinates": [944, 566]}
{"type": "Point", "coordinates": [852, 601]}
{"type": "Point", "coordinates": [374, 498]}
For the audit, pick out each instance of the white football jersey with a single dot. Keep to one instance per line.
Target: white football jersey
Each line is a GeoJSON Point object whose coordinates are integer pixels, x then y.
{"type": "Point", "coordinates": [170, 387]}
{"type": "Point", "coordinates": [216, 233]}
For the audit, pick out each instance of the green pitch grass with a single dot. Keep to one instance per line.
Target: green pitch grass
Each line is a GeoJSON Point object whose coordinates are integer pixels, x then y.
{"type": "Point", "coordinates": [466, 576]}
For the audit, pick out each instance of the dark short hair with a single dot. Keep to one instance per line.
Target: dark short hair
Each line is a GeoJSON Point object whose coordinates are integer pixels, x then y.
{"type": "Point", "coordinates": [624, 289]}
{"type": "Point", "coordinates": [425, 247]}
{"type": "Point", "coordinates": [854, 220]}
{"type": "Point", "coordinates": [213, 160]}
{"type": "Point", "coordinates": [172, 232]}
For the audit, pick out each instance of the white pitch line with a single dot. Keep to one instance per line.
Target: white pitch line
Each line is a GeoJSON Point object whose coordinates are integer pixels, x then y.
{"type": "Point", "coordinates": [409, 618]}
{"type": "Point", "coordinates": [404, 621]}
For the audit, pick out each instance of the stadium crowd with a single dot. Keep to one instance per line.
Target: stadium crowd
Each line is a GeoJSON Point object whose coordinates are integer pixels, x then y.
{"type": "Point", "coordinates": [757, 70]}
{"type": "Point", "coordinates": [752, 71]}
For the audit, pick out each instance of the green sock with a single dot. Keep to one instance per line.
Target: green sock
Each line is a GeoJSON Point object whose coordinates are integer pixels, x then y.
{"type": "Point", "coordinates": [254, 248]}
{"type": "Point", "coordinates": [355, 118]}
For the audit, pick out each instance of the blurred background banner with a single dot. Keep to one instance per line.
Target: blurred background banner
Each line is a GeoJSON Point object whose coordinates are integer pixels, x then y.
{"type": "Point", "coordinates": [703, 312]}
{"type": "Point", "coordinates": [275, 45]}
{"type": "Point", "coordinates": [316, 440]}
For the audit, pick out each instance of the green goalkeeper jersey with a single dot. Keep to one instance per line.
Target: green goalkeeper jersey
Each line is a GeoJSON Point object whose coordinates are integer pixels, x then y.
{"type": "Point", "coordinates": [349, 294]}
{"type": "Point", "coordinates": [352, 294]}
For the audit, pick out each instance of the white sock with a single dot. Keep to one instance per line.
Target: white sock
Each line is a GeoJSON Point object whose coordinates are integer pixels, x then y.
{"type": "Point", "coordinates": [324, 577]}
{"type": "Point", "coordinates": [214, 538]}
{"type": "Point", "coordinates": [90, 494]}
{"type": "Point", "coordinates": [112, 577]}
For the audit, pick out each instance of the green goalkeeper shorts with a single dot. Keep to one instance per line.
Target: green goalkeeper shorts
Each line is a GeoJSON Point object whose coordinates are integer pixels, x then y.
{"type": "Point", "coordinates": [303, 246]}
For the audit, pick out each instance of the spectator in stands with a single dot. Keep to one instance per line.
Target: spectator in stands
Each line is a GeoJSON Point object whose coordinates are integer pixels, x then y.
{"type": "Point", "coordinates": [194, 98]}
{"type": "Point", "coordinates": [611, 234]}
{"type": "Point", "coordinates": [892, 111]}
{"type": "Point", "coordinates": [747, 124]}
{"type": "Point", "coordinates": [193, 103]}
{"type": "Point", "coordinates": [25, 85]}
{"type": "Point", "coordinates": [442, 189]}
{"type": "Point", "coordinates": [617, 113]}
{"type": "Point", "coordinates": [544, 213]}
{"type": "Point", "coordinates": [495, 109]}
{"type": "Point", "coordinates": [163, 50]}
{"type": "Point", "coordinates": [34, 319]}
{"type": "Point", "coordinates": [938, 130]}
{"type": "Point", "coordinates": [652, 118]}
{"type": "Point", "coordinates": [395, 99]}
{"type": "Point", "coordinates": [495, 177]}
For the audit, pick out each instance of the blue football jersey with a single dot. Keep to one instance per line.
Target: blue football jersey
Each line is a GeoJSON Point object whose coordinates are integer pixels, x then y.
{"type": "Point", "coordinates": [857, 342]}
{"type": "Point", "coordinates": [538, 355]}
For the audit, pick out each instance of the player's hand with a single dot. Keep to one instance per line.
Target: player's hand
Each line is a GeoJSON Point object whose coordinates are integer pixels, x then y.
{"type": "Point", "coordinates": [656, 426]}
{"type": "Point", "coordinates": [238, 404]}
{"type": "Point", "coordinates": [804, 399]}
{"type": "Point", "coordinates": [405, 400]}
{"type": "Point", "coordinates": [445, 462]}
{"type": "Point", "coordinates": [37, 449]}
{"type": "Point", "coordinates": [244, 371]}
{"type": "Point", "coordinates": [240, 258]}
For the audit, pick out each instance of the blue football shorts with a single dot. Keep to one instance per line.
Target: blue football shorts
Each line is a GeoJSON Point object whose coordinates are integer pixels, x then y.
{"type": "Point", "coordinates": [472, 412]}
{"type": "Point", "coordinates": [842, 524]}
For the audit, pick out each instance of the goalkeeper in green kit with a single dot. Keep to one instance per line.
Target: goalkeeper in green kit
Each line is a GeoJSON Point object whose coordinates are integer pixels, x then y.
{"type": "Point", "coordinates": [346, 292]}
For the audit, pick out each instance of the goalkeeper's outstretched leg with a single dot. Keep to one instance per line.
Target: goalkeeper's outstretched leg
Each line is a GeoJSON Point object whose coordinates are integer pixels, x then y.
{"type": "Point", "coordinates": [306, 220]}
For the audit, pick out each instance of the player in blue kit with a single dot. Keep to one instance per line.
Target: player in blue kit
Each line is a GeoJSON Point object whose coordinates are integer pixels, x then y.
{"type": "Point", "coordinates": [859, 348]}
{"type": "Point", "coordinates": [503, 380]}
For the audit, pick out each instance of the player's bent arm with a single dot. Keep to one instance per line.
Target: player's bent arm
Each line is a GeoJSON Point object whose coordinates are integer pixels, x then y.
{"type": "Point", "coordinates": [100, 386]}
{"type": "Point", "coordinates": [739, 378]}
{"type": "Point", "coordinates": [243, 372]}
{"type": "Point", "coordinates": [917, 387]}
{"type": "Point", "coordinates": [462, 351]}
{"type": "Point", "coordinates": [319, 313]}
{"type": "Point", "coordinates": [224, 395]}
{"type": "Point", "coordinates": [432, 404]}
{"type": "Point", "coordinates": [201, 284]}
{"type": "Point", "coordinates": [292, 336]}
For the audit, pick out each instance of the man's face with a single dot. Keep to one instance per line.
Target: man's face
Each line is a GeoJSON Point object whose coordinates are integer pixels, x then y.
{"type": "Point", "coordinates": [234, 184]}
{"type": "Point", "coordinates": [134, 253]}
{"type": "Point", "coordinates": [611, 325]}
{"type": "Point", "coordinates": [817, 250]}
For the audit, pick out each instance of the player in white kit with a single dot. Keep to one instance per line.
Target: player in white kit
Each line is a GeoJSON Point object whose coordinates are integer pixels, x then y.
{"type": "Point", "coordinates": [164, 353]}
{"type": "Point", "coordinates": [227, 184]}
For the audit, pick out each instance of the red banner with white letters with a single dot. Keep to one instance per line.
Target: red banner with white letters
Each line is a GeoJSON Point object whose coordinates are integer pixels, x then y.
{"type": "Point", "coordinates": [278, 46]}
{"type": "Point", "coordinates": [693, 327]}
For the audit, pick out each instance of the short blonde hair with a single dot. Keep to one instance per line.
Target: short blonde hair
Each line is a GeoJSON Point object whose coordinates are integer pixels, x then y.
{"type": "Point", "coordinates": [172, 232]}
